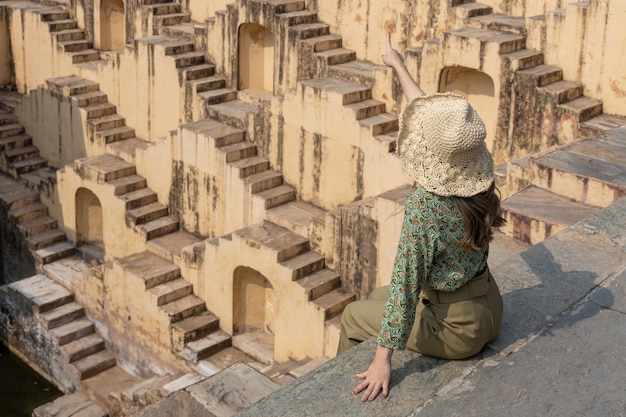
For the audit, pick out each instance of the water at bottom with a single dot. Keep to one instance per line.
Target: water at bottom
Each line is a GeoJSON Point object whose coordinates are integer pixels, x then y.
{"type": "Point", "coordinates": [21, 388]}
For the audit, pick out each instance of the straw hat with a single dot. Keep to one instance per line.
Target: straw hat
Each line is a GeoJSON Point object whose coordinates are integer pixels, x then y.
{"type": "Point", "coordinates": [442, 146]}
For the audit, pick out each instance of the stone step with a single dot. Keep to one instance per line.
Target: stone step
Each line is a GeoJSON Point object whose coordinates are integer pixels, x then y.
{"type": "Point", "coordinates": [542, 74]}
{"type": "Point", "coordinates": [75, 45]}
{"type": "Point", "coordinates": [584, 108]}
{"type": "Point", "coordinates": [196, 72]}
{"type": "Point", "coordinates": [28, 165]}
{"type": "Point", "coordinates": [107, 122]}
{"type": "Point", "coordinates": [201, 85]}
{"type": "Point", "coordinates": [91, 99]}
{"type": "Point", "coordinates": [61, 315]}
{"type": "Point", "coordinates": [98, 110]}
{"type": "Point", "coordinates": [319, 283]}
{"type": "Point", "coordinates": [146, 213]}
{"type": "Point", "coordinates": [154, 392]}
{"type": "Point", "coordinates": [534, 214]}
{"type": "Point", "coordinates": [276, 196]}
{"type": "Point", "coordinates": [83, 347]}
{"type": "Point", "coordinates": [181, 383]}
{"type": "Point", "coordinates": [163, 8]}
{"type": "Point", "coordinates": [153, 269]}
{"type": "Point", "coordinates": [601, 124]}
{"type": "Point", "coordinates": [171, 291]}
{"type": "Point", "coordinates": [172, 19]}
{"type": "Point", "coordinates": [524, 58]}
{"type": "Point", "coordinates": [159, 227]}
{"type": "Point", "coordinates": [128, 184]}
{"type": "Point", "coordinates": [8, 118]}
{"type": "Point", "coordinates": [15, 141]}
{"type": "Point", "coordinates": [333, 302]}
{"type": "Point", "coordinates": [310, 30]}
{"type": "Point", "coordinates": [389, 140]}
{"type": "Point", "coordinates": [115, 134]}
{"type": "Point", "coordinates": [338, 91]}
{"type": "Point", "coordinates": [251, 166]}
{"type": "Point", "coordinates": [504, 42]}
{"type": "Point", "coordinates": [71, 85]}
{"type": "Point", "coordinates": [38, 225]}
{"type": "Point", "coordinates": [234, 113]}
{"type": "Point", "coordinates": [185, 31]}
{"type": "Point", "coordinates": [299, 17]}
{"type": "Point", "coordinates": [61, 25]}
{"type": "Point", "coordinates": [285, 244]}
{"type": "Point", "coordinates": [469, 10]}
{"type": "Point", "coordinates": [206, 346]}
{"type": "Point", "coordinates": [51, 15]}
{"type": "Point", "coordinates": [500, 22]}
{"type": "Point", "coordinates": [234, 389]}
{"type": "Point", "coordinates": [381, 123]}
{"type": "Point", "coordinates": [76, 404]}
{"type": "Point", "coordinates": [44, 293]}
{"type": "Point", "coordinates": [55, 251]}
{"type": "Point", "coordinates": [11, 129]}
{"type": "Point", "coordinates": [304, 264]}
{"type": "Point", "coordinates": [69, 35]}
{"type": "Point", "coordinates": [170, 247]}
{"type": "Point", "coordinates": [324, 43]}
{"type": "Point", "coordinates": [74, 330]}
{"type": "Point", "coordinates": [367, 108]}
{"type": "Point", "coordinates": [94, 364]}
{"type": "Point", "coordinates": [29, 212]}
{"type": "Point", "coordinates": [563, 91]}
{"type": "Point", "coordinates": [295, 216]}
{"type": "Point", "coordinates": [355, 71]}
{"type": "Point", "coordinates": [217, 96]}
{"type": "Point", "coordinates": [193, 328]}
{"type": "Point", "coordinates": [591, 171]}
{"type": "Point", "coordinates": [136, 393]}
{"type": "Point", "coordinates": [138, 198]}
{"type": "Point", "coordinates": [238, 151]}
{"type": "Point", "coordinates": [84, 56]}
{"type": "Point", "coordinates": [184, 307]}
{"type": "Point", "coordinates": [46, 238]}
{"type": "Point", "coordinates": [336, 56]}
{"type": "Point", "coordinates": [38, 178]}
{"type": "Point", "coordinates": [21, 154]}
{"type": "Point", "coordinates": [15, 195]}
{"type": "Point", "coordinates": [286, 6]}
{"type": "Point", "coordinates": [188, 59]}
{"type": "Point", "coordinates": [103, 168]}
{"type": "Point", "coordinates": [262, 181]}
{"type": "Point", "coordinates": [222, 134]}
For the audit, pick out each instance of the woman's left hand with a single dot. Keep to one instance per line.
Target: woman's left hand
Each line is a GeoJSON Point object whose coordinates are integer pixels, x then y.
{"type": "Point", "coordinates": [377, 376]}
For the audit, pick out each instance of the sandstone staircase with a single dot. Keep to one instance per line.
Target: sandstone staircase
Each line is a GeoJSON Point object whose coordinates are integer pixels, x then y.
{"type": "Point", "coordinates": [69, 39]}
{"type": "Point", "coordinates": [20, 160]}
{"type": "Point", "coordinates": [73, 334]}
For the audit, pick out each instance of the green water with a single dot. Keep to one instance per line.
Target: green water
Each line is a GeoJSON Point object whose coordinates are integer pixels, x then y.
{"type": "Point", "coordinates": [21, 389]}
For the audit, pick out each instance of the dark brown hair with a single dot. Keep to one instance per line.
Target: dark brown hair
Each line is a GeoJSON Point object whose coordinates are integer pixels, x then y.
{"type": "Point", "coordinates": [481, 213]}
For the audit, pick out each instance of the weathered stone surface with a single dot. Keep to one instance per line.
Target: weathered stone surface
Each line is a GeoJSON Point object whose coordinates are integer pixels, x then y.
{"type": "Point", "coordinates": [233, 389]}
{"type": "Point", "coordinates": [178, 404]}
{"type": "Point", "coordinates": [573, 368]}
{"type": "Point", "coordinates": [327, 390]}
{"type": "Point", "coordinates": [543, 281]}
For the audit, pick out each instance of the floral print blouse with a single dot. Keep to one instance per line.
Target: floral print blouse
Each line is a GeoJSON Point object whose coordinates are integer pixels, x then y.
{"type": "Point", "coordinates": [428, 256]}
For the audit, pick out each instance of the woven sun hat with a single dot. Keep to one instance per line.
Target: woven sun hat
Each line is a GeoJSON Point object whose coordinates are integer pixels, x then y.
{"type": "Point", "coordinates": [441, 144]}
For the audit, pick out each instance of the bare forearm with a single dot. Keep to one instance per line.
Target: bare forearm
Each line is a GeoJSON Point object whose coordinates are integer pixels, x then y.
{"type": "Point", "coordinates": [410, 88]}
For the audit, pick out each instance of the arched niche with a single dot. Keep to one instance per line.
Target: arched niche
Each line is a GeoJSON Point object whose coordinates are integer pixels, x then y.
{"type": "Point", "coordinates": [88, 220]}
{"type": "Point", "coordinates": [252, 302]}
{"type": "Point", "coordinates": [256, 58]}
{"type": "Point", "coordinates": [110, 25]}
{"type": "Point", "coordinates": [478, 88]}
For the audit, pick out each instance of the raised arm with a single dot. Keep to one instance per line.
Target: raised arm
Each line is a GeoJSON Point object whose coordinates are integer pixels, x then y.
{"type": "Point", "coordinates": [393, 59]}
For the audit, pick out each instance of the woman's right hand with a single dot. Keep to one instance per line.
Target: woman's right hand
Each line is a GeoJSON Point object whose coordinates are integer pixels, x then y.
{"type": "Point", "coordinates": [392, 57]}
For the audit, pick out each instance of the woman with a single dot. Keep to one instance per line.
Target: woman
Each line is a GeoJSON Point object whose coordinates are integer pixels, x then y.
{"type": "Point", "coordinates": [442, 301]}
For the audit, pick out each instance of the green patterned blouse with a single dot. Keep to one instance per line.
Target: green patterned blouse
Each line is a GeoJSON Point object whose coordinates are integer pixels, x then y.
{"type": "Point", "coordinates": [428, 256]}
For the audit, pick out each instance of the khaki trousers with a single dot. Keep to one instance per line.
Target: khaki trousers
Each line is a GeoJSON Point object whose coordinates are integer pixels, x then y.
{"type": "Point", "coordinates": [449, 325]}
